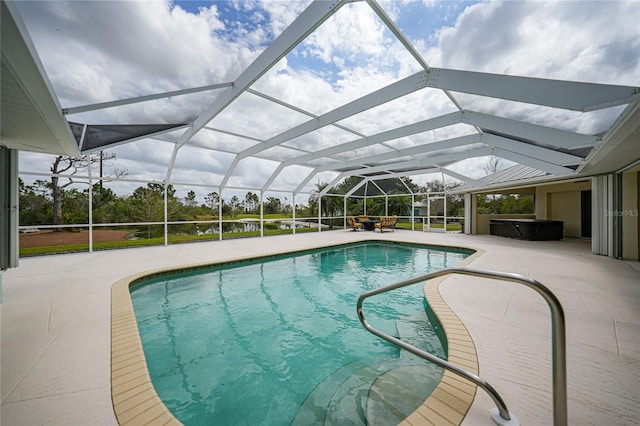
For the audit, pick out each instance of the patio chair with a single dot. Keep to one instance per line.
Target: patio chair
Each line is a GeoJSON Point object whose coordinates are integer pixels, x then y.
{"type": "Point", "coordinates": [363, 217]}
{"type": "Point", "coordinates": [351, 222]}
{"type": "Point", "coordinates": [388, 222]}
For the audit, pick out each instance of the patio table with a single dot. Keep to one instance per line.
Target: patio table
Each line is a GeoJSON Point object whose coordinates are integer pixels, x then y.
{"type": "Point", "coordinates": [368, 224]}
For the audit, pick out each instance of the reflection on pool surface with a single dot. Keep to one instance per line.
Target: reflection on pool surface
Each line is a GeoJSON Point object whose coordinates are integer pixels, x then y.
{"type": "Point", "coordinates": [278, 341]}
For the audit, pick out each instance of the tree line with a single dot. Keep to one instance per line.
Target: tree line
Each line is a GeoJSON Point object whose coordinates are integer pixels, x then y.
{"type": "Point", "coordinates": [146, 204]}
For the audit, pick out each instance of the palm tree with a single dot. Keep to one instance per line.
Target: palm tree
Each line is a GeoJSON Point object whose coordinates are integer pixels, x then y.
{"type": "Point", "coordinates": [400, 205]}
{"type": "Point", "coordinates": [330, 205]}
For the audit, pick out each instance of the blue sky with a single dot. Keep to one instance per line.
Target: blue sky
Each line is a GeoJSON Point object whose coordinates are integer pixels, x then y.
{"type": "Point", "coordinates": [239, 17]}
{"type": "Point", "coordinates": [413, 21]}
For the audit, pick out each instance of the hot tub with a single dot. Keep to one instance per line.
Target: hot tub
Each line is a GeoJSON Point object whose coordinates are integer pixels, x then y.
{"type": "Point", "coordinates": [527, 229]}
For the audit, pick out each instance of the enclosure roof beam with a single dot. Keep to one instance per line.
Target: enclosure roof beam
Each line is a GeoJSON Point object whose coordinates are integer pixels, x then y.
{"type": "Point", "coordinates": [466, 179]}
{"type": "Point", "coordinates": [533, 132]}
{"type": "Point", "coordinates": [569, 95]}
{"type": "Point", "coordinates": [532, 162]}
{"type": "Point", "coordinates": [145, 98]}
{"type": "Point", "coordinates": [530, 150]}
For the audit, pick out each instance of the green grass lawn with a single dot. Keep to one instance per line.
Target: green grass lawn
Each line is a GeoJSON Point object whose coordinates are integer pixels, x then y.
{"type": "Point", "coordinates": [173, 239]}
{"type": "Point", "coordinates": [450, 227]}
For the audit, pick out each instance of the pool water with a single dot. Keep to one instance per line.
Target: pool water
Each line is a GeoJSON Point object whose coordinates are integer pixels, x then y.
{"type": "Point", "coordinates": [278, 341]}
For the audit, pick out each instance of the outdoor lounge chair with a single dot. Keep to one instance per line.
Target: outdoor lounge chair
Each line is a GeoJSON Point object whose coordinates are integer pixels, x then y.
{"type": "Point", "coordinates": [387, 222]}
{"type": "Point", "coordinates": [351, 222]}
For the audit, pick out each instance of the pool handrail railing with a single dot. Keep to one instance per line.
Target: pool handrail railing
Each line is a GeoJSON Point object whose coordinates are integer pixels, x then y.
{"type": "Point", "coordinates": [500, 414]}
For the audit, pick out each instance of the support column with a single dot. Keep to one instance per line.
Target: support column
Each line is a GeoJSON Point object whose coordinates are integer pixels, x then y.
{"type": "Point", "coordinates": [413, 202]}
{"type": "Point", "coordinates": [261, 213]}
{"type": "Point", "coordinates": [467, 213]}
{"type": "Point", "coordinates": [166, 217]}
{"type": "Point", "coordinates": [293, 198]}
{"type": "Point", "coordinates": [91, 199]}
{"type": "Point", "coordinates": [319, 213]}
{"type": "Point", "coordinates": [220, 203]}
{"type": "Point", "coordinates": [444, 225]}
{"type": "Point", "coordinates": [344, 211]}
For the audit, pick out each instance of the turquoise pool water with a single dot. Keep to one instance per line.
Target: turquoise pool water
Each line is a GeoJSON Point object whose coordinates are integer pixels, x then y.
{"type": "Point", "coordinates": [277, 341]}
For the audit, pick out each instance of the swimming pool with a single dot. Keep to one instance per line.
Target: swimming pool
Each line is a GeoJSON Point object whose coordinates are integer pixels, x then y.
{"type": "Point", "coordinates": [277, 341]}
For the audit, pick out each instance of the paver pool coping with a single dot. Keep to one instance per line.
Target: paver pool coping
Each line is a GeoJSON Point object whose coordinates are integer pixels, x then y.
{"type": "Point", "coordinates": [136, 402]}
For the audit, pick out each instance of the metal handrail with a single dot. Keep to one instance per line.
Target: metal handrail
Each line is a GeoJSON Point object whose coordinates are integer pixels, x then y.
{"type": "Point", "coordinates": [502, 415]}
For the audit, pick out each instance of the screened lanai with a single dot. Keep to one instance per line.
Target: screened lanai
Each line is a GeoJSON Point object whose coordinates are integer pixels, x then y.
{"type": "Point", "coordinates": [372, 107]}
{"type": "Point", "coordinates": [295, 117]}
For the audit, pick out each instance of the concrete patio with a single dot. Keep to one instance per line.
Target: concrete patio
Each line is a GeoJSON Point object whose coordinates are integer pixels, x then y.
{"type": "Point", "coordinates": [56, 325]}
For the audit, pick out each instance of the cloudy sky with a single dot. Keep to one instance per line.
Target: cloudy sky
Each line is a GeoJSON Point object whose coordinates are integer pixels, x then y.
{"type": "Point", "coordinates": [98, 51]}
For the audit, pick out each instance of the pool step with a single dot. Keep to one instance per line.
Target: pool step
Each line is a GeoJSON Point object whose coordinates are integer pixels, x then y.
{"type": "Point", "coordinates": [314, 408]}
{"type": "Point", "coordinates": [415, 330]}
{"type": "Point", "coordinates": [395, 394]}
{"type": "Point", "coordinates": [375, 392]}
{"type": "Point", "coordinates": [399, 392]}
{"type": "Point", "coordinates": [384, 393]}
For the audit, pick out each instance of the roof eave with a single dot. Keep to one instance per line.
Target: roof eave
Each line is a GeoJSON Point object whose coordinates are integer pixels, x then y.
{"type": "Point", "coordinates": [25, 87]}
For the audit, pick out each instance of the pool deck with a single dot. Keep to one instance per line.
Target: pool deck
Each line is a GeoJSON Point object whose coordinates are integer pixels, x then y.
{"type": "Point", "coordinates": [56, 322]}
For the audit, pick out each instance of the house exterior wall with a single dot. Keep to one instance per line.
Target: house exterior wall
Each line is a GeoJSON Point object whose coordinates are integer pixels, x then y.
{"type": "Point", "coordinates": [562, 202]}
{"type": "Point", "coordinates": [565, 206]}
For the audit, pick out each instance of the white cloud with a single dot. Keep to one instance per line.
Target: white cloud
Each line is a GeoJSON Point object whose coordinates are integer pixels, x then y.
{"type": "Point", "coordinates": [134, 47]}
{"type": "Point", "coordinates": [282, 13]}
{"type": "Point", "coordinates": [353, 32]}
{"type": "Point", "coordinates": [570, 40]}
